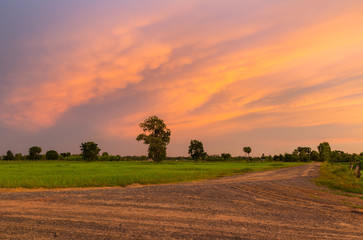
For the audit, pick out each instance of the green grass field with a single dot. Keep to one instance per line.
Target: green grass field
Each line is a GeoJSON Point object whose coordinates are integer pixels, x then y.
{"type": "Point", "coordinates": [339, 177]}
{"type": "Point", "coordinates": [64, 174]}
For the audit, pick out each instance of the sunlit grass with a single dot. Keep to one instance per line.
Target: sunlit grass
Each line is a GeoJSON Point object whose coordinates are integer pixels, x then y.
{"type": "Point", "coordinates": [339, 177]}
{"type": "Point", "coordinates": [64, 174]}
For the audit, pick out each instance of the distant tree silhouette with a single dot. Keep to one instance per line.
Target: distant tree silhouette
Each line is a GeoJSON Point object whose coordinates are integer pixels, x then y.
{"type": "Point", "coordinates": [226, 156]}
{"type": "Point", "coordinates": [196, 150]}
{"type": "Point", "coordinates": [324, 151]}
{"type": "Point", "coordinates": [9, 156]}
{"type": "Point", "coordinates": [67, 154]}
{"type": "Point", "coordinates": [90, 151]}
{"type": "Point", "coordinates": [18, 156]}
{"type": "Point", "coordinates": [247, 150]}
{"type": "Point", "coordinates": [34, 153]}
{"type": "Point", "coordinates": [52, 155]}
{"type": "Point", "coordinates": [303, 153]}
{"type": "Point", "coordinates": [314, 156]}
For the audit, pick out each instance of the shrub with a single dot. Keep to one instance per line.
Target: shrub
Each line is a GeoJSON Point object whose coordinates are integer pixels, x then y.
{"type": "Point", "coordinates": [52, 155]}
{"type": "Point", "coordinates": [18, 156]}
{"type": "Point", "coordinates": [226, 156]}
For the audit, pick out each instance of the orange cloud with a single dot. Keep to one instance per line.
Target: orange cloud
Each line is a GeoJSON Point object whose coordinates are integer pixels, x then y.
{"type": "Point", "coordinates": [80, 79]}
{"type": "Point", "coordinates": [205, 75]}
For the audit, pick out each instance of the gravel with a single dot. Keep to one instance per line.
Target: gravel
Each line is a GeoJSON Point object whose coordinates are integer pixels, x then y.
{"type": "Point", "coordinates": [278, 204]}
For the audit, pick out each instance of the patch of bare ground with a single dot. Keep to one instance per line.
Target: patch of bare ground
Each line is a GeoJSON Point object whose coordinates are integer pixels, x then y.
{"type": "Point", "coordinates": [278, 204]}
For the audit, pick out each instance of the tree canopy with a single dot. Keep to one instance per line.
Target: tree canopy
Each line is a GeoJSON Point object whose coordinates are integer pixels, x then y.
{"type": "Point", "coordinates": [247, 150]}
{"type": "Point", "coordinates": [9, 155]}
{"type": "Point", "coordinates": [324, 151]}
{"type": "Point", "coordinates": [52, 155]}
{"type": "Point", "coordinates": [156, 135]}
{"type": "Point", "coordinates": [34, 153]}
{"type": "Point", "coordinates": [90, 151]}
{"type": "Point", "coordinates": [196, 150]}
{"type": "Point", "coordinates": [303, 153]}
{"type": "Point", "coordinates": [226, 155]}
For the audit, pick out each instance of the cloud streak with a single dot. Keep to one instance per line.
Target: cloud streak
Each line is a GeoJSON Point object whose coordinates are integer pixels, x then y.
{"type": "Point", "coordinates": [208, 68]}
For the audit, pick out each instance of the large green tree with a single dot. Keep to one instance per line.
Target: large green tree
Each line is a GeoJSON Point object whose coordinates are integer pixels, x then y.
{"type": "Point", "coordinates": [156, 135]}
{"type": "Point", "coordinates": [90, 151]}
{"type": "Point", "coordinates": [324, 151]}
{"type": "Point", "coordinates": [196, 150]}
{"type": "Point", "coordinates": [34, 153]}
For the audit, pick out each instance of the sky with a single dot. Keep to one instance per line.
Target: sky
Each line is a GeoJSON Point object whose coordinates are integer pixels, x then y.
{"type": "Point", "coordinates": [269, 74]}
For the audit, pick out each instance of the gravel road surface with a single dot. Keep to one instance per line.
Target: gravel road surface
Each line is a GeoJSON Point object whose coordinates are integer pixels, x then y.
{"type": "Point", "coordinates": [278, 204]}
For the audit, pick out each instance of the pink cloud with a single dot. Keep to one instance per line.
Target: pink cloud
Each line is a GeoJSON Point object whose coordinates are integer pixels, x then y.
{"type": "Point", "coordinates": [202, 65]}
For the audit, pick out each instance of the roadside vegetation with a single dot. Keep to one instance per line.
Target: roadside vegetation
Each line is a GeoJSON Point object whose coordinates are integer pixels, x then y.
{"type": "Point", "coordinates": [340, 170]}
{"type": "Point", "coordinates": [62, 174]}
{"type": "Point", "coordinates": [340, 176]}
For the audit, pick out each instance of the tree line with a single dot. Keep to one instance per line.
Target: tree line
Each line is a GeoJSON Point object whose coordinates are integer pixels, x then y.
{"type": "Point", "coordinates": [157, 136]}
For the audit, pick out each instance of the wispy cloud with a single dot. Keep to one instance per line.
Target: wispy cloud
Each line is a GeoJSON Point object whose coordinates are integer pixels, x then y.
{"type": "Point", "coordinates": [201, 65]}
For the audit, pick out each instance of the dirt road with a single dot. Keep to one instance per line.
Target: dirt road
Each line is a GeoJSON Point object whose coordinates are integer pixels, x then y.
{"type": "Point", "coordinates": [279, 204]}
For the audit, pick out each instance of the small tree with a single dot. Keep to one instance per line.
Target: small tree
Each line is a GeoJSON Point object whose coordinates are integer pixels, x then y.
{"type": "Point", "coordinates": [105, 154]}
{"type": "Point", "coordinates": [196, 150]}
{"type": "Point", "coordinates": [324, 151]}
{"type": "Point", "coordinates": [52, 155]}
{"type": "Point", "coordinates": [303, 153]}
{"type": "Point", "coordinates": [247, 150]}
{"type": "Point", "coordinates": [9, 155]}
{"type": "Point", "coordinates": [106, 157]}
{"type": "Point", "coordinates": [18, 156]}
{"type": "Point", "coordinates": [34, 153]}
{"type": "Point", "coordinates": [156, 135]}
{"type": "Point", "coordinates": [90, 151]}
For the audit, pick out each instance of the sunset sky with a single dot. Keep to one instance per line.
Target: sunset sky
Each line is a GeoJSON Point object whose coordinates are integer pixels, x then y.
{"type": "Point", "coordinates": [269, 74]}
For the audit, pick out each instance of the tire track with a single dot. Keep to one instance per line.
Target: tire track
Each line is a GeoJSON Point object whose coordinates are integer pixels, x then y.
{"type": "Point", "coordinates": [279, 204]}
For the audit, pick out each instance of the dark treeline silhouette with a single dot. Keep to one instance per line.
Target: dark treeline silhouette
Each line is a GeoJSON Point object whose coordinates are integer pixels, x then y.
{"type": "Point", "coordinates": [91, 152]}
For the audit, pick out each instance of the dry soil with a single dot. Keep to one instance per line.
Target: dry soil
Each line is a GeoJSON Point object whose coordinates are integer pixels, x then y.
{"type": "Point", "coordinates": [278, 204]}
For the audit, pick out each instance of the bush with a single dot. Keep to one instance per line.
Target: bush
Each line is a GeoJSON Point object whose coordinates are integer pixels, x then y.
{"type": "Point", "coordinates": [18, 156]}
{"type": "Point", "coordinates": [109, 158]}
{"type": "Point", "coordinates": [226, 156]}
{"type": "Point", "coordinates": [52, 155]}
{"type": "Point", "coordinates": [64, 155]}
{"type": "Point", "coordinates": [74, 157]}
